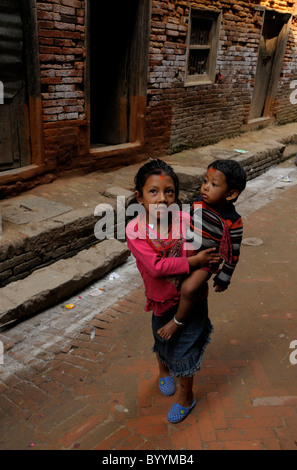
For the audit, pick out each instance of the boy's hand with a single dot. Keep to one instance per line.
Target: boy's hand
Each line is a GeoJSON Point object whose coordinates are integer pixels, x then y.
{"type": "Point", "coordinates": [219, 288]}
{"type": "Point", "coordinates": [215, 261]}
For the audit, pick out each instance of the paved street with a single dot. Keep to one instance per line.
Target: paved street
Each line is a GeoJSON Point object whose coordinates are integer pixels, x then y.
{"type": "Point", "coordinates": [85, 378]}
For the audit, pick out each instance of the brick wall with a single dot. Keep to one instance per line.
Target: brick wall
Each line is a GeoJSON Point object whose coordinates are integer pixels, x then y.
{"type": "Point", "coordinates": [62, 61]}
{"type": "Point", "coordinates": [206, 113]}
{"type": "Point", "coordinates": [175, 116]}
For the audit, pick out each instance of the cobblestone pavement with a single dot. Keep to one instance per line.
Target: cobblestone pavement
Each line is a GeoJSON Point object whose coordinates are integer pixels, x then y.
{"type": "Point", "coordinates": [85, 378]}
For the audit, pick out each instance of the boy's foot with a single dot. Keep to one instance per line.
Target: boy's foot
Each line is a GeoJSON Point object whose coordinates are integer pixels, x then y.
{"type": "Point", "coordinates": [168, 330]}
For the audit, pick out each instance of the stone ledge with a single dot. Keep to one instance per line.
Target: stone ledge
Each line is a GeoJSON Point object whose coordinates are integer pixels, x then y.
{"type": "Point", "coordinates": [50, 285]}
{"type": "Point", "coordinates": [190, 177]}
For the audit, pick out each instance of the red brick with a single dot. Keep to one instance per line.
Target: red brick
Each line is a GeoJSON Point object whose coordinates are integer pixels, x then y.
{"type": "Point", "coordinates": [271, 444]}
{"type": "Point", "coordinates": [45, 24]}
{"type": "Point", "coordinates": [21, 400]}
{"type": "Point", "coordinates": [52, 388]}
{"type": "Point", "coordinates": [205, 427]}
{"type": "Point", "coordinates": [72, 3]}
{"type": "Point", "coordinates": [49, 33]}
{"type": "Point", "coordinates": [12, 410]}
{"type": "Point", "coordinates": [215, 446]}
{"type": "Point", "coordinates": [247, 434]}
{"type": "Point", "coordinates": [51, 81]}
{"type": "Point", "coordinates": [192, 435]}
{"type": "Point", "coordinates": [144, 394]}
{"type": "Point", "coordinates": [259, 412]}
{"type": "Point", "coordinates": [114, 441]}
{"type": "Point", "coordinates": [242, 445]}
{"type": "Point", "coordinates": [64, 26]}
{"type": "Point", "coordinates": [48, 15]}
{"type": "Point", "coordinates": [178, 439]}
{"type": "Point", "coordinates": [285, 438]}
{"type": "Point", "coordinates": [81, 364]}
{"type": "Point", "coordinates": [131, 443]}
{"type": "Point", "coordinates": [292, 426]}
{"type": "Point", "coordinates": [35, 393]}
{"type": "Point", "coordinates": [228, 402]}
{"type": "Point", "coordinates": [62, 378]}
{"type": "Point", "coordinates": [143, 421]}
{"type": "Point", "coordinates": [81, 430]}
{"type": "Point", "coordinates": [260, 374]}
{"type": "Point", "coordinates": [217, 414]}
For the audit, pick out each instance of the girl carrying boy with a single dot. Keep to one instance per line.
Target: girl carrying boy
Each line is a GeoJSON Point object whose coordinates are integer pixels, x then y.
{"type": "Point", "coordinates": [157, 239]}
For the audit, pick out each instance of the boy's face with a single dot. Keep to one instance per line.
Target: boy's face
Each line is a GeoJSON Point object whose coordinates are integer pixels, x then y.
{"type": "Point", "coordinates": [215, 190]}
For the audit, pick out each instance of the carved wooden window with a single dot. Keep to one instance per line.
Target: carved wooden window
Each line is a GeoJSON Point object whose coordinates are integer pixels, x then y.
{"type": "Point", "coordinates": [203, 39]}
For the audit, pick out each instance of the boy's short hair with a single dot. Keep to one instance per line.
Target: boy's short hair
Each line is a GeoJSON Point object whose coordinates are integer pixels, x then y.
{"type": "Point", "coordinates": [234, 172]}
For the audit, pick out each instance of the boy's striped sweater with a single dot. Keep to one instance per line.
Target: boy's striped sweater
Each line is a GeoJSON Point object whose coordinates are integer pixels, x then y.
{"type": "Point", "coordinates": [207, 229]}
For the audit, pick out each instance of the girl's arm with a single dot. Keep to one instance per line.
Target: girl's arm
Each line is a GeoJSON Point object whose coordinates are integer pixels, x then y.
{"type": "Point", "coordinates": [157, 266]}
{"type": "Point", "coordinates": [154, 263]}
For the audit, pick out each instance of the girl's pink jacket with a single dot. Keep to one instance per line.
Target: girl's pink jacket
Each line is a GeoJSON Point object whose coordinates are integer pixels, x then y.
{"type": "Point", "coordinates": [161, 276]}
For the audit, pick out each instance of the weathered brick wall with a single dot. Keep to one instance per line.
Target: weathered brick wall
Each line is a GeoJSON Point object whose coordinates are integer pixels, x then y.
{"type": "Point", "coordinates": [175, 116]}
{"type": "Point", "coordinates": [62, 61]}
{"type": "Point", "coordinates": [206, 113]}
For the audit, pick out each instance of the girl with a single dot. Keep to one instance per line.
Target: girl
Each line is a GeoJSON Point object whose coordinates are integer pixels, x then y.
{"type": "Point", "coordinates": [156, 239]}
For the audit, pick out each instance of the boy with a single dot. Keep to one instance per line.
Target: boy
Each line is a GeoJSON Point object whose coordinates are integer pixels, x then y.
{"type": "Point", "coordinates": [216, 223]}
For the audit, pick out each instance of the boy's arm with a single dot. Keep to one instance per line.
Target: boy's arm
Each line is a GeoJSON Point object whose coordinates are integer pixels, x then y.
{"type": "Point", "coordinates": [223, 278]}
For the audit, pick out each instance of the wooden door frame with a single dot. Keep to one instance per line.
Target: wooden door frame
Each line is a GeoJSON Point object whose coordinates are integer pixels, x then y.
{"type": "Point", "coordinates": [137, 103]}
{"type": "Point", "coordinates": [277, 64]}
{"type": "Point", "coordinates": [35, 115]}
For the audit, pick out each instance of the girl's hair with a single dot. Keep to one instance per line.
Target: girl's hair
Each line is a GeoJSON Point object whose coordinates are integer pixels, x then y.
{"type": "Point", "coordinates": [154, 167]}
{"type": "Point", "coordinates": [234, 172]}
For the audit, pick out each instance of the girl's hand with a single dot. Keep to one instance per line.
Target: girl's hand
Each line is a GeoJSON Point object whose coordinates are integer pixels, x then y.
{"type": "Point", "coordinates": [205, 258]}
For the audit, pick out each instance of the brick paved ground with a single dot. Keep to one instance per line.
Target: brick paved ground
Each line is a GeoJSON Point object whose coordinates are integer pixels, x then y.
{"type": "Point", "coordinates": [97, 387]}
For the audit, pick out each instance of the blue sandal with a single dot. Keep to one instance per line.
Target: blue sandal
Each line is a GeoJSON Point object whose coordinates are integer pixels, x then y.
{"type": "Point", "coordinates": [167, 386]}
{"type": "Point", "coordinates": [178, 413]}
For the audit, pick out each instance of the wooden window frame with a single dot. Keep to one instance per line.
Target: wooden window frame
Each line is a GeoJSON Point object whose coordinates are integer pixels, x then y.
{"type": "Point", "coordinates": [209, 77]}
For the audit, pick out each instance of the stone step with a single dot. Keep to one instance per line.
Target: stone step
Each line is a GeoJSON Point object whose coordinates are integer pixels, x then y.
{"type": "Point", "coordinates": [50, 285]}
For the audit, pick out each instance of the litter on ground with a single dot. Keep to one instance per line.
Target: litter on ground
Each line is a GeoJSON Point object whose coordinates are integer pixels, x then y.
{"type": "Point", "coordinates": [285, 179]}
{"type": "Point", "coordinates": [113, 276]}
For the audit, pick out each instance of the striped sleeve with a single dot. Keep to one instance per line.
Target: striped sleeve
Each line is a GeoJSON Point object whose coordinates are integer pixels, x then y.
{"type": "Point", "coordinates": [236, 233]}
{"type": "Point", "coordinates": [206, 228]}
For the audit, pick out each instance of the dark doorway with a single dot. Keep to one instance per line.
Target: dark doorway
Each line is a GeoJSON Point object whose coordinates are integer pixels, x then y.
{"type": "Point", "coordinates": [118, 48]}
{"type": "Point", "coordinates": [14, 117]}
{"type": "Point", "coordinates": [273, 43]}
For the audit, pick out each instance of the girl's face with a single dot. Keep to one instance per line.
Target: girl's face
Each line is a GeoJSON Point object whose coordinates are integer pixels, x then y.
{"type": "Point", "coordinates": [215, 190]}
{"type": "Point", "coordinates": [158, 194]}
